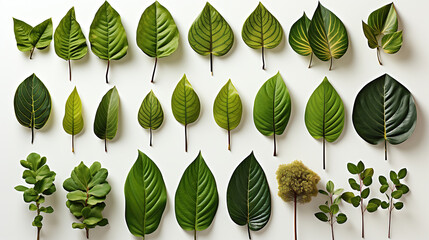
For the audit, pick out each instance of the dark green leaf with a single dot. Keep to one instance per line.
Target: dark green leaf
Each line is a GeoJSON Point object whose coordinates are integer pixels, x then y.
{"type": "Point", "coordinates": [323, 192]}
{"type": "Point", "coordinates": [321, 216]}
{"type": "Point", "coordinates": [341, 218]}
{"type": "Point", "coordinates": [398, 205]}
{"type": "Point", "coordinates": [372, 207]}
{"type": "Point", "coordinates": [367, 181]}
{"type": "Point", "coordinates": [334, 209]}
{"type": "Point", "coordinates": [355, 201]}
{"type": "Point", "coordinates": [298, 36]}
{"type": "Point", "coordinates": [403, 188]}
{"type": "Point", "coordinates": [347, 196]}
{"type": "Point", "coordinates": [360, 166]}
{"type": "Point", "coordinates": [107, 116]}
{"type": "Point", "coordinates": [402, 173]}
{"type": "Point", "coordinates": [382, 180]}
{"type": "Point", "coordinates": [352, 168]}
{"type": "Point", "coordinates": [324, 208]}
{"type": "Point", "coordinates": [397, 194]}
{"type": "Point", "coordinates": [384, 188]}
{"type": "Point", "coordinates": [370, 35]}
{"type": "Point", "coordinates": [365, 193]}
{"type": "Point", "coordinates": [369, 172]}
{"type": "Point", "coordinates": [384, 205]}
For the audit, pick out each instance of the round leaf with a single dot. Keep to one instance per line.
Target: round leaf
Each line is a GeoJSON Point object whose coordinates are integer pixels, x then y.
{"type": "Point", "coordinates": [341, 218]}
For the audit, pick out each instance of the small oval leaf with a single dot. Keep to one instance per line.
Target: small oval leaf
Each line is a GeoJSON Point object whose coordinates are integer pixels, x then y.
{"type": "Point", "coordinates": [150, 114]}
{"type": "Point", "coordinates": [73, 120]}
{"type": "Point", "coordinates": [106, 118]}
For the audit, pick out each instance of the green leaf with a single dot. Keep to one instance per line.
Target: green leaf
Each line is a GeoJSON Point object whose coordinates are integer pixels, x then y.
{"type": "Point", "coordinates": [32, 207]}
{"type": "Point", "coordinates": [403, 188]}
{"type": "Point", "coordinates": [210, 34]}
{"type": "Point", "coordinates": [370, 35]}
{"type": "Point", "coordinates": [157, 33]}
{"type": "Point", "coordinates": [384, 188]}
{"type": "Point", "coordinates": [106, 118]}
{"type": "Point", "coordinates": [145, 196]}
{"type": "Point", "coordinates": [248, 195]}
{"type": "Point", "coordinates": [324, 208]}
{"type": "Point", "coordinates": [196, 199]}
{"type": "Point", "coordinates": [392, 42]}
{"type": "Point", "coordinates": [334, 209]}
{"type": "Point", "coordinates": [352, 168]}
{"type": "Point", "coordinates": [384, 205]}
{"type": "Point", "coordinates": [393, 176]}
{"type": "Point", "coordinates": [354, 185]}
{"type": "Point", "coordinates": [38, 221]}
{"type": "Point", "coordinates": [367, 181]}
{"type": "Point", "coordinates": [262, 30]}
{"type": "Point", "coordinates": [361, 167]}
{"type": "Point", "coordinates": [347, 196]}
{"type": "Point", "coordinates": [32, 104]}
{"type": "Point", "coordinates": [330, 187]}
{"type": "Point", "coordinates": [272, 108]}
{"type": "Point", "coordinates": [227, 109]}
{"type": "Point", "coordinates": [298, 37]}
{"type": "Point", "coordinates": [107, 35]}
{"type": "Point", "coordinates": [338, 191]}
{"type": "Point", "coordinates": [321, 216]}
{"type": "Point", "coordinates": [398, 205]}
{"type": "Point", "coordinates": [76, 196]}
{"type": "Point", "coordinates": [73, 120]}
{"type": "Point", "coordinates": [365, 193]}
{"type": "Point", "coordinates": [29, 38]}
{"type": "Point", "coordinates": [402, 173]}
{"type": "Point", "coordinates": [384, 110]}
{"type": "Point", "coordinates": [384, 20]}
{"type": "Point", "coordinates": [355, 201]}
{"type": "Point", "coordinates": [324, 114]}
{"type": "Point", "coordinates": [372, 207]}
{"type": "Point", "coordinates": [382, 180]}
{"type": "Point", "coordinates": [185, 105]}
{"type": "Point", "coordinates": [327, 35]}
{"type": "Point", "coordinates": [22, 31]}
{"type": "Point", "coordinates": [21, 188]}
{"type": "Point", "coordinates": [323, 192]}
{"type": "Point", "coordinates": [341, 218]}
{"type": "Point", "coordinates": [69, 40]}
{"type": "Point", "coordinates": [397, 194]}
{"type": "Point", "coordinates": [150, 115]}
{"type": "Point", "coordinates": [100, 190]}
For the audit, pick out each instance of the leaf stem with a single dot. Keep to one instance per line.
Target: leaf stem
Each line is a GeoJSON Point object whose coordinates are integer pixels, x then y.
{"type": "Point", "coordinates": [311, 60]}
{"type": "Point", "coordinates": [275, 145]}
{"type": "Point", "coordinates": [385, 149]}
{"type": "Point", "coordinates": [87, 232]}
{"type": "Point", "coordinates": [38, 214]}
{"type": "Point", "coordinates": [362, 207]}
{"type": "Point", "coordinates": [390, 216]}
{"type": "Point", "coordinates": [186, 138]}
{"type": "Point", "coordinates": [31, 53]}
{"type": "Point", "coordinates": [294, 219]}
{"type": "Point", "coordinates": [211, 63]}
{"type": "Point", "coordinates": [150, 134]}
{"type": "Point", "coordinates": [105, 144]}
{"type": "Point", "coordinates": [154, 68]}
{"type": "Point", "coordinates": [72, 143]}
{"type": "Point", "coordinates": [229, 140]}
{"type": "Point", "coordinates": [32, 135]}
{"type": "Point", "coordinates": [332, 218]}
{"type": "Point", "coordinates": [263, 59]}
{"type": "Point", "coordinates": [324, 152]}
{"type": "Point", "coordinates": [107, 71]}
{"type": "Point", "coordinates": [330, 66]}
{"type": "Point", "coordinates": [378, 56]}
{"type": "Point", "coordinates": [70, 73]}
{"type": "Point", "coordinates": [195, 234]}
{"type": "Point", "coordinates": [248, 232]}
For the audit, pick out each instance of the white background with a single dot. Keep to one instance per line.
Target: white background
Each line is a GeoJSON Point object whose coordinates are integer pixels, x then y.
{"type": "Point", "coordinates": [131, 75]}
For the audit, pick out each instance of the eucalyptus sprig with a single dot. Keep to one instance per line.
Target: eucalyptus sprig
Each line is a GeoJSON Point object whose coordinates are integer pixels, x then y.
{"type": "Point", "coordinates": [39, 175]}
{"type": "Point", "coordinates": [330, 211]}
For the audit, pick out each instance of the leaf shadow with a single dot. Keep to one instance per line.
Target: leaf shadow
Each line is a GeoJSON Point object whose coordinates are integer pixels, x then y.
{"type": "Point", "coordinates": [279, 50]}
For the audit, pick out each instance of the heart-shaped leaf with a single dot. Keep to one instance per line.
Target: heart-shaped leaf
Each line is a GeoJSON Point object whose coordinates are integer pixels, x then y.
{"type": "Point", "coordinates": [145, 197]}
{"type": "Point", "coordinates": [327, 35]}
{"type": "Point", "coordinates": [69, 40]}
{"type": "Point", "coordinates": [210, 34]}
{"type": "Point", "coordinates": [272, 108]}
{"type": "Point", "coordinates": [298, 37]}
{"type": "Point", "coordinates": [248, 195]}
{"type": "Point", "coordinates": [262, 30]}
{"type": "Point", "coordinates": [196, 199]}
{"type": "Point", "coordinates": [106, 118]}
{"type": "Point", "coordinates": [227, 109]}
{"type": "Point", "coordinates": [384, 110]}
{"type": "Point", "coordinates": [73, 120]}
{"type": "Point", "coordinates": [157, 33]}
{"type": "Point", "coordinates": [185, 105]}
{"type": "Point", "coordinates": [150, 114]}
{"type": "Point", "coordinates": [32, 104]}
{"type": "Point", "coordinates": [107, 35]}
{"type": "Point", "coordinates": [324, 114]}
{"type": "Point", "coordinates": [29, 38]}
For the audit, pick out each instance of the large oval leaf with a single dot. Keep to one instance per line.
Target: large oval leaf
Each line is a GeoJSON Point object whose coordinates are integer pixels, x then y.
{"type": "Point", "coordinates": [32, 104]}
{"type": "Point", "coordinates": [196, 199]}
{"type": "Point", "coordinates": [107, 35]}
{"type": "Point", "coordinates": [210, 34]}
{"type": "Point", "coordinates": [145, 197]}
{"type": "Point", "coordinates": [106, 118]}
{"type": "Point", "coordinates": [29, 38]}
{"type": "Point", "coordinates": [157, 33]}
{"type": "Point", "coordinates": [298, 37]}
{"type": "Point", "coordinates": [272, 108]}
{"type": "Point", "coordinates": [69, 40]}
{"type": "Point", "coordinates": [384, 110]}
{"type": "Point", "coordinates": [327, 35]}
{"type": "Point", "coordinates": [248, 195]}
{"type": "Point", "coordinates": [185, 105]}
{"type": "Point", "coordinates": [324, 114]}
{"type": "Point", "coordinates": [73, 120]}
{"type": "Point", "coordinates": [227, 109]}
{"type": "Point", "coordinates": [262, 30]}
{"type": "Point", "coordinates": [150, 114]}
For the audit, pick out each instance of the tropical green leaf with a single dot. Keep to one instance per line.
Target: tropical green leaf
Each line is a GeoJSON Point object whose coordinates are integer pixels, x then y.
{"type": "Point", "coordinates": [369, 34]}
{"type": "Point", "coordinates": [69, 40]}
{"type": "Point", "coordinates": [298, 37]}
{"type": "Point", "coordinates": [150, 114]}
{"type": "Point", "coordinates": [392, 42]}
{"type": "Point", "coordinates": [197, 198]}
{"type": "Point", "coordinates": [185, 105]}
{"type": "Point", "coordinates": [248, 195]}
{"type": "Point", "coordinates": [29, 38]}
{"type": "Point", "coordinates": [145, 197]}
{"type": "Point", "coordinates": [327, 35]}
{"type": "Point", "coordinates": [157, 33]}
{"type": "Point", "coordinates": [210, 34]}
{"type": "Point", "coordinates": [272, 108]}
{"type": "Point", "coordinates": [73, 120]}
{"type": "Point", "coordinates": [227, 109]}
{"type": "Point", "coordinates": [384, 20]}
{"type": "Point", "coordinates": [32, 104]}
{"type": "Point", "coordinates": [324, 114]}
{"type": "Point", "coordinates": [262, 30]}
{"type": "Point", "coordinates": [384, 110]}
{"type": "Point", "coordinates": [107, 35]}
{"type": "Point", "coordinates": [106, 118]}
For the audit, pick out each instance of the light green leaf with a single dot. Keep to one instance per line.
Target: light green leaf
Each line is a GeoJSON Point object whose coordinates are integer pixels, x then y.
{"type": "Point", "coordinates": [157, 33]}
{"type": "Point", "coordinates": [100, 190]}
{"type": "Point", "coordinates": [324, 208]}
{"type": "Point", "coordinates": [185, 105]}
{"type": "Point", "coordinates": [324, 114]}
{"type": "Point", "coordinates": [107, 35]}
{"type": "Point", "coordinates": [210, 34]}
{"type": "Point", "coordinates": [77, 196]}
{"type": "Point", "coordinates": [21, 188]}
{"type": "Point", "coordinates": [298, 37]}
{"type": "Point", "coordinates": [330, 187]}
{"type": "Point", "coordinates": [227, 109]}
{"type": "Point", "coordinates": [384, 110]}
{"type": "Point", "coordinates": [73, 120]}
{"type": "Point", "coordinates": [29, 38]}
{"type": "Point", "coordinates": [22, 31]}
{"type": "Point", "coordinates": [32, 104]}
{"type": "Point", "coordinates": [392, 42]}
{"type": "Point", "coordinates": [262, 30]}
{"type": "Point", "coordinates": [145, 197]}
{"type": "Point", "coordinates": [106, 118]}
{"type": "Point", "coordinates": [150, 114]}
{"type": "Point", "coordinates": [327, 35]}
{"type": "Point", "coordinates": [272, 108]}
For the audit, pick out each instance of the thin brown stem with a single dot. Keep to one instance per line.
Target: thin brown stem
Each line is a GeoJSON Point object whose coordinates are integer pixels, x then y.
{"type": "Point", "coordinates": [105, 144]}
{"type": "Point", "coordinates": [385, 149]}
{"type": "Point", "coordinates": [324, 153]}
{"type": "Point", "coordinates": [31, 53]}
{"type": "Point", "coordinates": [186, 138]}
{"type": "Point", "coordinates": [330, 66]}
{"type": "Point", "coordinates": [154, 68]}
{"type": "Point", "coordinates": [87, 233]}
{"type": "Point", "coordinates": [294, 218]}
{"type": "Point", "coordinates": [195, 234]}
{"type": "Point", "coordinates": [70, 74]}
{"type": "Point", "coordinates": [229, 140]}
{"type": "Point", "coordinates": [275, 145]}
{"type": "Point", "coordinates": [378, 56]}
{"type": "Point", "coordinates": [311, 60]}
{"type": "Point", "coordinates": [263, 59]}
{"type": "Point", "coordinates": [362, 208]}
{"type": "Point", "coordinates": [248, 232]}
{"type": "Point", "coordinates": [107, 71]}
{"type": "Point", "coordinates": [32, 135]}
{"type": "Point", "coordinates": [73, 143]}
{"type": "Point", "coordinates": [211, 63]}
{"type": "Point", "coordinates": [150, 134]}
{"type": "Point", "coordinates": [390, 216]}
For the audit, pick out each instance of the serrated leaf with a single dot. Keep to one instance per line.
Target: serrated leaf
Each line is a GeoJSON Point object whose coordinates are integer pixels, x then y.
{"type": "Point", "coordinates": [73, 120]}
{"type": "Point", "coordinates": [150, 115]}
{"type": "Point", "coordinates": [272, 108]}
{"type": "Point", "coordinates": [29, 38]}
{"type": "Point", "coordinates": [107, 116]}
{"type": "Point", "coordinates": [210, 34]}
{"type": "Point", "coordinates": [298, 37]}
{"type": "Point", "coordinates": [321, 216]}
{"type": "Point", "coordinates": [248, 195]}
{"type": "Point", "coordinates": [32, 104]}
{"type": "Point", "coordinates": [392, 42]}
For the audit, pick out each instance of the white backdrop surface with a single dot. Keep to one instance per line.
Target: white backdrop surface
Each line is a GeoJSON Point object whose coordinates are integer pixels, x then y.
{"type": "Point", "coordinates": [131, 76]}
